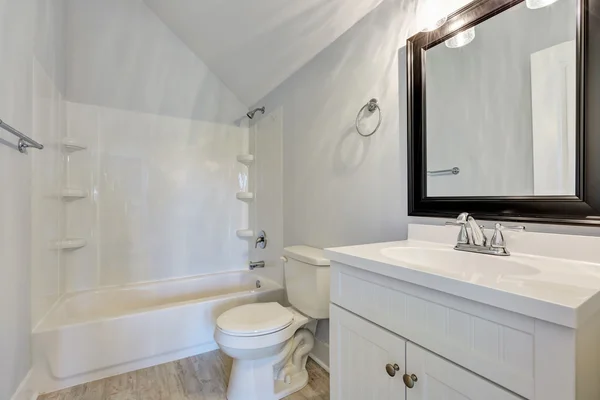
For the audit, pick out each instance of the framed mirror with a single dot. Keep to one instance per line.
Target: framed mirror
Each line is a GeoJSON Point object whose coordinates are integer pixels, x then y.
{"type": "Point", "coordinates": [504, 113]}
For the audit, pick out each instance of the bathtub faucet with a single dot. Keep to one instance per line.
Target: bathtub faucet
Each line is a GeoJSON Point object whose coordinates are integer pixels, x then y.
{"type": "Point", "coordinates": [257, 264]}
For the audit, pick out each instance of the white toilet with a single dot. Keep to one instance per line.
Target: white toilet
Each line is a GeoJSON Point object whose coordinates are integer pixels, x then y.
{"type": "Point", "coordinates": [267, 341]}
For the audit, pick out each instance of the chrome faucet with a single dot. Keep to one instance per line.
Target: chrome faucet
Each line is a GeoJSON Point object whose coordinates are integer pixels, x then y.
{"type": "Point", "coordinates": [472, 237]}
{"type": "Point", "coordinates": [261, 240]}
{"type": "Point", "coordinates": [256, 264]}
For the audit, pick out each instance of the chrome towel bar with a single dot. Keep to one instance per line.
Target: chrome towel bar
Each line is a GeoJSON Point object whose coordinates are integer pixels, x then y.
{"type": "Point", "coordinates": [24, 140]}
{"type": "Point", "coordinates": [453, 171]}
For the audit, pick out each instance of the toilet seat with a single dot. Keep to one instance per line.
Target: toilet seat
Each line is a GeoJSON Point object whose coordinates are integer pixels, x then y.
{"type": "Point", "coordinates": [263, 340]}
{"type": "Point", "coordinates": [255, 320]}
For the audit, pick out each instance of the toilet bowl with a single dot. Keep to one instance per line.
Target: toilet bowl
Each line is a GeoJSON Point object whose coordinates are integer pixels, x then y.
{"type": "Point", "coordinates": [268, 342]}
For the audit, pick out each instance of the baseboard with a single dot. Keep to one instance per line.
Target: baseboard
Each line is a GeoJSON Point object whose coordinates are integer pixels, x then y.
{"type": "Point", "coordinates": [25, 391]}
{"type": "Point", "coordinates": [320, 354]}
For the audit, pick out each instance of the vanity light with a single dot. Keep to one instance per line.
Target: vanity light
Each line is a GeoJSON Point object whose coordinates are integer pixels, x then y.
{"type": "Point", "coordinates": [534, 4]}
{"type": "Point", "coordinates": [462, 39]}
{"type": "Point", "coordinates": [435, 25]}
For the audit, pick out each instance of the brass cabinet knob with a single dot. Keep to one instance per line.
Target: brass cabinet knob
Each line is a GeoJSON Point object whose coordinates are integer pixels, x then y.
{"type": "Point", "coordinates": [391, 369]}
{"type": "Point", "coordinates": [409, 380]}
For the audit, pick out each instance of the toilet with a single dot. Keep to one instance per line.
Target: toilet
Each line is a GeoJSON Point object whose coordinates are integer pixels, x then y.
{"type": "Point", "coordinates": [268, 342]}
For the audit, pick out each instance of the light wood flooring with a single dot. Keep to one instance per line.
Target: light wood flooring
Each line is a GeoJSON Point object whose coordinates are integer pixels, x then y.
{"type": "Point", "coordinates": [202, 377]}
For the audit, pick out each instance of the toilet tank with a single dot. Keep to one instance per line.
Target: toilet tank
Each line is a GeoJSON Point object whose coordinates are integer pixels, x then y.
{"type": "Point", "coordinates": [307, 280]}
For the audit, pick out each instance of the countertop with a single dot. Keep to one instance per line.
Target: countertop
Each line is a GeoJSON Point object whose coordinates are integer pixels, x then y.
{"type": "Point", "coordinates": [558, 290]}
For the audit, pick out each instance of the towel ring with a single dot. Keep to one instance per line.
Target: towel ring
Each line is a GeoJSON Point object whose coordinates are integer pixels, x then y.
{"type": "Point", "coordinates": [371, 106]}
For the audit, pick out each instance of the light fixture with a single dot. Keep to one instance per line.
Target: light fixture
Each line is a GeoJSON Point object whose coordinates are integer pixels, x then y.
{"type": "Point", "coordinates": [435, 25]}
{"type": "Point", "coordinates": [461, 39]}
{"type": "Point", "coordinates": [535, 4]}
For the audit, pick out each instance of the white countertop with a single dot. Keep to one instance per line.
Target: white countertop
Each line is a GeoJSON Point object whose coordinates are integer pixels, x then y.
{"type": "Point", "coordinates": [557, 290]}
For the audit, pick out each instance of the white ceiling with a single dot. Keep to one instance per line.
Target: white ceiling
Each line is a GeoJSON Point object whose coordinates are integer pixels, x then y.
{"type": "Point", "coordinates": [255, 45]}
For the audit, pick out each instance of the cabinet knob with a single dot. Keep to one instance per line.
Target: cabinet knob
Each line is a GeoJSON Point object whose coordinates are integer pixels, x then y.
{"type": "Point", "coordinates": [409, 380]}
{"type": "Point", "coordinates": [391, 369]}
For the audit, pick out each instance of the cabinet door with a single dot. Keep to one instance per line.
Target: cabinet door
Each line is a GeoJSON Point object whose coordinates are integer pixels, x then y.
{"type": "Point", "coordinates": [360, 352]}
{"type": "Point", "coordinates": [439, 379]}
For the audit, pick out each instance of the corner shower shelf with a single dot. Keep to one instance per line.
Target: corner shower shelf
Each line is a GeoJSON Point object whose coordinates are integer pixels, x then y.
{"type": "Point", "coordinates": [245, 233]}
{"type": "Point", "coordinates": [71, 145]}
{"type": "Point", "coordinates": [245, 159]}
{"type": "Point", "coordinates": [71, 244]}
{"type": "Point", "coordinates": [70, 194]}
{"type": "Point", "coordinates": [245, 196]}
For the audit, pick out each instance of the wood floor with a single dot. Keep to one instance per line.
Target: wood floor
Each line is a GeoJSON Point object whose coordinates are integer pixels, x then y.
{"type": "Point", "coordinates": [202, 377]}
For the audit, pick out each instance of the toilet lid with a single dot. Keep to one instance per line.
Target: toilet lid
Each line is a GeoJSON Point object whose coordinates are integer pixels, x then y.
{"type": "Point", "coordinates": [255, 319]}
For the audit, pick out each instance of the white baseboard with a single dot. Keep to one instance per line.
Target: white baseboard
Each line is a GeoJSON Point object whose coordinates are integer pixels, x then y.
{"type": "Point", "coordinates": [320, 354]}
{"type": "Point", "coordinates": [25, 391]}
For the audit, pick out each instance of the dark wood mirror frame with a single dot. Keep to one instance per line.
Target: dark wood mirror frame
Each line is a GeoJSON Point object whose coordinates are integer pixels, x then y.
{"type": "Point", "coordinates": [581, 209]}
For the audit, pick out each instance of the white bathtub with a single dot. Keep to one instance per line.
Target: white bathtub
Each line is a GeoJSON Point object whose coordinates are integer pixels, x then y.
{"type": "Point", "coordinates": [94, 334]}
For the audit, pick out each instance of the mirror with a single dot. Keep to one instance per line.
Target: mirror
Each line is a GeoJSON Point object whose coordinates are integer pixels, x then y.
{"type": "Point", "coordinates": [498, 122]}
{"type": "Point", "coordinates": [501, 106]}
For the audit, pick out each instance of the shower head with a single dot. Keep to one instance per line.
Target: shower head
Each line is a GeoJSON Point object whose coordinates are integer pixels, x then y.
{"type": "Point", "coordinates": [250, 114]}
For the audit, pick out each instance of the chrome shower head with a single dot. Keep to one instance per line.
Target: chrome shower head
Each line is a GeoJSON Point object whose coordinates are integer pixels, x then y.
{"type": "Point", "coordinates": [250, 114]}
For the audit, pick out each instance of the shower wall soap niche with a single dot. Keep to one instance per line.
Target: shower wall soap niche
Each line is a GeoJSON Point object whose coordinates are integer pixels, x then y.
{"type": "Point", "coordinates": [71, 244]}
{"type": "Point", "coordinates": [245, 196]}
{"type": "Point", "coordinates": [245, 159]}
{"type": "Point", "coordinates": [70, 194]}
{"type": "Point", "coordinates": [72, 145]}
{"type": "Point", "coordinates": [245, 233]}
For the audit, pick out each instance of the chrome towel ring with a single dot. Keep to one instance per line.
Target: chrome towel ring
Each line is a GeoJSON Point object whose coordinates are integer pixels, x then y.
{"type": "Point", "coordinates": [371, 106]}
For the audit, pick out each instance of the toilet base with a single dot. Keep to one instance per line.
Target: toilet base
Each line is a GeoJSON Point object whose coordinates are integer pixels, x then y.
{"type": "Point", "coordinates": [298, 382]}
{"type": "Point", "coordinates": [275, 377]}
{"type": "Point", "coordinates": [257, 386]}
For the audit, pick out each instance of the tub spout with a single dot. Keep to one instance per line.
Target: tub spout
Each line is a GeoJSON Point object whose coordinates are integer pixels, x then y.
{"type": "Point", "coordinates": [256, 264]}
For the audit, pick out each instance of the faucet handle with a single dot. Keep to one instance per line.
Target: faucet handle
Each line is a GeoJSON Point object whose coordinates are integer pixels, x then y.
{"type": "Point", "coordinates": [498, 241]}
{"type": "Point", "coordinates": [517, 228]}
{"type": "Point", "coordinates": [261, 240]}
{"type": "Point", "coordinates": [463, 235]}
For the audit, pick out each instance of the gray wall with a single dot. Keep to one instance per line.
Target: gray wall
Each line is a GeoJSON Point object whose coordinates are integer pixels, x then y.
{"type": "Point", "coordinates": [339, 188]}
{"type": "Point", "coordinates": [492, 75]}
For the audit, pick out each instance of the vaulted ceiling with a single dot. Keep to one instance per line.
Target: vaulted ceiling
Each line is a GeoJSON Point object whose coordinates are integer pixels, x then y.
{"type": "Point", "coordinates": [253, 46]}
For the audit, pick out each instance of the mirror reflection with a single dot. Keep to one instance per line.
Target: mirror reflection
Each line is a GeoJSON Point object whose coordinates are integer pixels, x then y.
{"type": "Point", "coordinates": [501, 105]}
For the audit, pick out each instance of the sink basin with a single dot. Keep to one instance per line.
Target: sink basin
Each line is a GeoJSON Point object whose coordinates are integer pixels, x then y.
{"type": "Point", "coordinates": [457, 263]}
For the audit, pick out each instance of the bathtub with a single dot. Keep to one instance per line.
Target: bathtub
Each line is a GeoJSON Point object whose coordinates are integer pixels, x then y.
{"type": "Point", "coordinates": [95, 334]}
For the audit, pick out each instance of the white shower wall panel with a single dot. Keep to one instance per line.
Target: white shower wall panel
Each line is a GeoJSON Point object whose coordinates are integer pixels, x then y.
{"type": "Point", "coordinates": [162, 197]}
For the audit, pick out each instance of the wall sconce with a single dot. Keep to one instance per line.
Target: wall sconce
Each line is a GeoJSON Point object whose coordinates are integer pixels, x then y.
{"type": "Point", "coordinates": [462, 39]}
{"type": "Point", "coordinates": [435, 25]}
{"type": "Point", "coordinates": [535, 4]}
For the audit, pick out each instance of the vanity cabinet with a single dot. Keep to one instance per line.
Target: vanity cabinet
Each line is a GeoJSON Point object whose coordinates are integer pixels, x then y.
{"type": "Point", "coordinates": [439, 379]}
{"type": "Point", "coordinates": [368, 362]}
{"type": "Point", "coordinates": [456, 348]}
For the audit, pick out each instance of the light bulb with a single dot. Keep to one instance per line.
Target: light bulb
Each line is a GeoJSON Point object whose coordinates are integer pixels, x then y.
{"type": "Point", "coordinates": [435, 25]}
{"type": "Point", "coordinates": [461, 39]}
{"type": "Point", "coordinates": [535, 4]}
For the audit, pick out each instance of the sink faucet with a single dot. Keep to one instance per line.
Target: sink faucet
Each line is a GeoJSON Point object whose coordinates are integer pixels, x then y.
{"type": "Point", "coordinates": [472, 237]}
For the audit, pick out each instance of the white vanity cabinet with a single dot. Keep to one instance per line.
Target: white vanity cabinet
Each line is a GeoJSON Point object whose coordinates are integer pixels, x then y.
{"type": "Point", "coordinates": [456, 348]}
{"type": "Point", "coordinates": [439, 379]}
{"type": "Point", "coordinates": [365, 355]}
{"type": "Point", "coordinates": [370, 363]}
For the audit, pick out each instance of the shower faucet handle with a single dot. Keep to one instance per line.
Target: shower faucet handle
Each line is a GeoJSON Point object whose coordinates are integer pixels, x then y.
{"type": "Point", "coordinates": [261, 240]}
